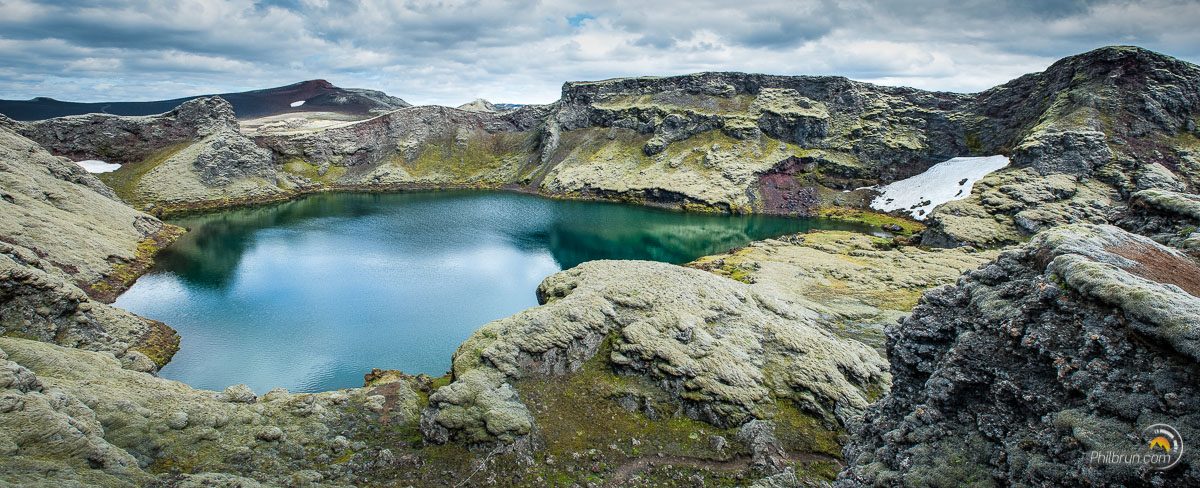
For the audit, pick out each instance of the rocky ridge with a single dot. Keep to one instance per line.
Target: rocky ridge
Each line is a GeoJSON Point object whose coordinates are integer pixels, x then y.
{"type": "Point", "coordinates": [1089, 131]}
{"type": "Point", "coordinates": [1083, 135]}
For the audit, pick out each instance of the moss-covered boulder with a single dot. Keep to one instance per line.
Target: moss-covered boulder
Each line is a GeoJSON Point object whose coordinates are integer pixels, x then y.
{"type": "Point", "coordinates": [723, 352]}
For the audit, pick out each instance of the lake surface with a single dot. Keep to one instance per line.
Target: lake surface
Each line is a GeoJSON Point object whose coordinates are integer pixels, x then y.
{"type": "Point", "coordinates": [309, 295]}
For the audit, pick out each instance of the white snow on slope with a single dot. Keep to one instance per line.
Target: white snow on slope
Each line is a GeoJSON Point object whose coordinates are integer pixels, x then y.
{"type": "Point", "coordinates": [945, 181]}
{"type": "Point", "coordinates": [96, 166]}
{"type": "Point", "coordinates": [298, 103]}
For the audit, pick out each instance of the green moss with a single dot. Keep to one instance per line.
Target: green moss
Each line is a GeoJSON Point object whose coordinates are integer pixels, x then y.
{"type": "Point", "coordinates": [908, 227]}
{"type": "Point", "coordinates": [480, 155]}
{"type": "Point", "coordinates": [736, 272]}
{"type": "Point", "coordinates": [599, 145]}
{"type": "Point", "coordinates": [20, 335]}
{"type": "Point", "coordinates": [173, 465]}
{"type": "Point", "coordinates": [125, 179]}
{"type": "Point", "coordinates": [303, 168]}
{"type": "Point", "coordinates": [590, 417]}
{"type": "Point", "coordinates": [817, 471]}
{"type": "Point", "coordinates": [974, 143]}
{"type": "Point", "coordinates": [799, 432]}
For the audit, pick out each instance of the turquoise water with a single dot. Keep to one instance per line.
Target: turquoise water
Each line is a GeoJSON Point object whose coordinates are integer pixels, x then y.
{"type": "Point", "coordinates": [309, 295]}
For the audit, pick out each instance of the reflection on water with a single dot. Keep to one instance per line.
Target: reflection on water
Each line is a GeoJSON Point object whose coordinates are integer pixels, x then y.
{"type": "Point", "coordinates": [309, 295]}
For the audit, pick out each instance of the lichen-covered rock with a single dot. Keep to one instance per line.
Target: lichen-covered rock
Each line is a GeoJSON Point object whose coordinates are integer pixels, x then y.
{"type": "Point", "coordinates": [228, 156]}
{"type": "Point", "coordinates": [1170, 218]}
{"type": "Point", "coordinates": [1006, 207]}
{"type": "Point", "coordinates": [858, 283]}
{"type": "Point", "coordinates": [1067, 152]}
{"type": "Point", "coordinates": [1073, 343]}
{"type": "Point", "coordinates": [65, 249]}
{"type": "Point", "coordinates": [57, 211]}
{"type": "Point", "coordinates": [721, 350]}
{"type": "Point", "coordinates": [1182, 204]}
{"type": "Point", "coordinates": [72, 415]}
{"type": "Point", "coordinates": [221, 166]}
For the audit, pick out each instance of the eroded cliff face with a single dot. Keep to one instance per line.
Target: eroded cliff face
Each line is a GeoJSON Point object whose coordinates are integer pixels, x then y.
{"type": "Point", "coordinates": [130, 139]}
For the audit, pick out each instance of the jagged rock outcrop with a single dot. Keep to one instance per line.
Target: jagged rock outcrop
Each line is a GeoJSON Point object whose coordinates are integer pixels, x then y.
{"type": "Point", "coordinates": [731, 141]}
{"type": "Point", "coordinates": [130, 139]}
{"type": "Point", "coordinates": [1170, 218]}
{"type": "Point", "coordinates": [1073, 343]}
{"type": "Point", "coordinates": [192, 156]}
{"type": "Point", "coordinates": [722, 352]}
{"type": "Point", "coordinates": [222, 167]}
{"type": "Point", "coordinates": [413, 147]}
{"type": "Point", "coordinates": [1084, 135]}
{"type": "Point", "coordinates": [479, 105]}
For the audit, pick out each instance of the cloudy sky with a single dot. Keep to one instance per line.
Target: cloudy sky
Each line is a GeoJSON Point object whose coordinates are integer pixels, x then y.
{"type": "Point", "coordinates": [450, 52]}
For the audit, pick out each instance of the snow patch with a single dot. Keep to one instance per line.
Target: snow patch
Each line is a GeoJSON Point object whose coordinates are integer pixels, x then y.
{"type": "Point", "coordinates": [944, 182]}
{"type": "Point", "coordinates": [298, 103]}
{"type": "Point", "coordinates": [97, 166]}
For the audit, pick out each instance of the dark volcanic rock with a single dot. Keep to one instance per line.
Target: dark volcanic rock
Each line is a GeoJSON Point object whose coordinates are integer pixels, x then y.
{"type": "Point", "coordinates": [1071, 344]}
{"type": "Point", "coordinates": [1168, 217]}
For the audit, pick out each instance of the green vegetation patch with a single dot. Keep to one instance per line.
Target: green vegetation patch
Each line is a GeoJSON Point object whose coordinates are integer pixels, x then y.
{"type": "Point", "coordinates": [302, 168]}
{"type": "Point", "coordinates": [602, 145]}
{"type": "Point", "coordinates": [580, 411]}
{"type": "Point", "coordinates": [481, 154]}
{"type": "Point", "coordinates": [869, 217]}
{"type": "Point", "coordinates": [125, 179]}
{"type": "Point", "coordinates": [798, 432]}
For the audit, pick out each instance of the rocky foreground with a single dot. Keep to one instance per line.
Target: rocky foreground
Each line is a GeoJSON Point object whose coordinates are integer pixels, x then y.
{"type": "Point", "coordinates": [808, 359]}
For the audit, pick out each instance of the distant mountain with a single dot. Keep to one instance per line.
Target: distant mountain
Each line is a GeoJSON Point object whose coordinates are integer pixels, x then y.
{"type": "Point", "coordinates": [316, 95]}
{"type": "Point", "coordinates": [481, 105]}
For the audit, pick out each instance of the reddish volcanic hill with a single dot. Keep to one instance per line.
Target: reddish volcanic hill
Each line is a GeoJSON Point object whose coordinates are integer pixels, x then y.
{"type": "Point", "coordinates": [317, 95]}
